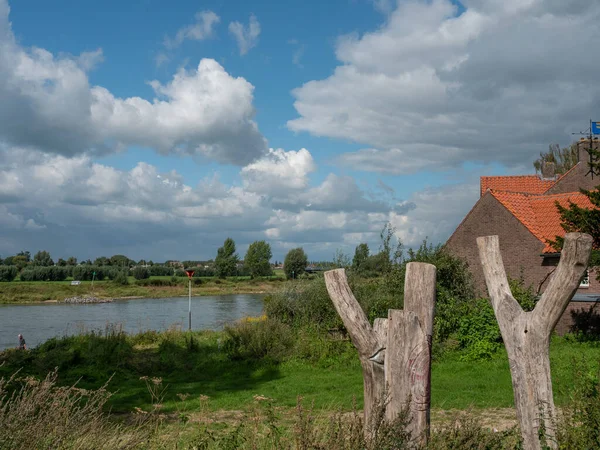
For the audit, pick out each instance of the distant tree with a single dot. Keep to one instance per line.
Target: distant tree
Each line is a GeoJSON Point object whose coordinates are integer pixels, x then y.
{"type": "Point", "coordinates": [361, 253]}
{"type": "Point", "coordinates": [257, 259]}
{"type": "Point", "coordinates": [1, 262]}
{"type": "Point", "coordinates": [295, 263]}
{"type": "Point", "coordinates": [42, 258]}
{"type": "Point", "coordinates": [141, 273]}
{"type": "Point", "coordinates": [20, 261]}
{"type": "Point", "coordinates": [340, 260]}
{"type": "Point", "coordinates": [8, 261]}
{"type": "Point", "coordinates": [61, 262]}
{"type": "Point", "coordinates": [8, 273]}
{"type": "Point", "coordinates": [71, 261]}
{"type": "Point", "coordinates": [563, 159]}
{"type": "Point", "coordinates": [121, 261]}
{"type": "Point", "coordinates": [226, 260]}
{"type": "Point", "coordinates": [25, 254]}
{"type": "Point", "coordinates": [102, 261]}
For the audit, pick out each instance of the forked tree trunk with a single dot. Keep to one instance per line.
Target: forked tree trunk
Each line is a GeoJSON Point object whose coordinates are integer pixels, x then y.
{"type": "Point", "coordinates": [396, 352]}
{"type": "Point", "coordinates": [526, 335]}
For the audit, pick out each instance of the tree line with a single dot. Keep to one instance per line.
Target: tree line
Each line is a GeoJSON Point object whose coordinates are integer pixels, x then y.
{"type": "Point", "coordinates": [256, 263]}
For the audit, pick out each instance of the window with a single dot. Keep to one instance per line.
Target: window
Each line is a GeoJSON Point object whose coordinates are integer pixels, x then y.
{"type": "Point", "coordinates": [585, 282]}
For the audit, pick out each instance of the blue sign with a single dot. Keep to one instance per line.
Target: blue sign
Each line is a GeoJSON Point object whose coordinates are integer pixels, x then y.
{"type": "Point", "coordinates": [595, 127]}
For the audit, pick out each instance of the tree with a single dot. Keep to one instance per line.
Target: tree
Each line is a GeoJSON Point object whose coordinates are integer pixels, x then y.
{"type": "Point", "coordinates": [102, 261]}
{"type": "Point", "coordinates": [121, 261]}
{"type": "Point", "coordinates": [361, 253]}
{"type": "Point", "coordinates": [257, 259]}
{"type": "Point", "coordinates": [25, 255]}
{"type": "Point", "coordinates": [226, 260]}
{"type": "Point", "coordinates": [61, 262]}
{"type": "Point", "coordinates": [71, 261]}
{"type": "Point", "coordinates": [295, 263]}
{"type": "Point", "coordinates": [563, 159]}
{"type": "Point", "coordinates": [42, 258]}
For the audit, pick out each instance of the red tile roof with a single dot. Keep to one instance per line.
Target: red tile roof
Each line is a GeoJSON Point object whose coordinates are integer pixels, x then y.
{"type": "Point", "coordinates": [530, 184]}
{"type": "Point", "coordinates": [538, 212]}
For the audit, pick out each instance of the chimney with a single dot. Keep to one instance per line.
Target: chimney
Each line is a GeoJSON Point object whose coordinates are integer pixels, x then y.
{"type": "Point", "coordinates": [548, 171]}
{"type": "Point", "coordinates": [583, 148]}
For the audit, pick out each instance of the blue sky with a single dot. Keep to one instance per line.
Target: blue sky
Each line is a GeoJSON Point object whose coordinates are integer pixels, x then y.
{"type": "Point", "coordinates": [153, 121]}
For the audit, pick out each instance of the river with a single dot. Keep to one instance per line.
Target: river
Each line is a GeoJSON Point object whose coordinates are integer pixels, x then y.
{"type": "Point", "coordinates": [39, 322]}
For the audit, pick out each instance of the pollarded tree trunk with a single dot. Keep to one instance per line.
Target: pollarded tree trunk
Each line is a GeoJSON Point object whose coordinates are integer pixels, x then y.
{"type": "Point", "coordinates": [369, 341]}
{"type": "Point", "coordinates": [396, 352]}
{"type": "Point", "coordinates": [526, 335]}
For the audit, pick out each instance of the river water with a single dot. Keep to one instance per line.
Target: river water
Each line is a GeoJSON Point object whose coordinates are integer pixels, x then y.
{"type": "Point", "coordinates": [39, 322]}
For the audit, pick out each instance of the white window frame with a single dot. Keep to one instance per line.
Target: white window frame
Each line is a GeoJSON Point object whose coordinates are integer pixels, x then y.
{"type": "Point", "coordinates": [585, 281]}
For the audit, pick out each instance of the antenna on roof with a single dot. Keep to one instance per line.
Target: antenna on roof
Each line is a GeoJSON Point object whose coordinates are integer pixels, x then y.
{"type": "Point", "coordinates": [594, 129]}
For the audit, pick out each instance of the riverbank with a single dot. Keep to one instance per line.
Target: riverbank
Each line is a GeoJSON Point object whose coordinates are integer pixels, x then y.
{"type": "Point", "coordinates": [58, 291]}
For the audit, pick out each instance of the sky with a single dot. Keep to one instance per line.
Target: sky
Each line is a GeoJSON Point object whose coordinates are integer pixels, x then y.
{"type": "Point", "coordinates": [158, 129]}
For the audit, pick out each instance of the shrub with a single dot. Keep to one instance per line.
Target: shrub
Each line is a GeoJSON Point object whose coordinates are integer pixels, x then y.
{"type": "Point", "coordinates": [121, 277]}
{"type": "Point", "coordinates": [86, 272]}
{"type": "Point", "coordinates": [8, 273]}
{"type": "Point", "coordinates": [266, 339]}
{"type": "Point", "coordinates": [140, 273]}
{"type": "Point", "coordinates": [156, 282]}
{"type": "Point", "coordinates": [41, 273]}
{"type": "Point", "coordinates": [160, 271]}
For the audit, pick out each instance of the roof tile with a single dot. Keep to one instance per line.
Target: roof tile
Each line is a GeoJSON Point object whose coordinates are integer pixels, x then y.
{"type": "Point", "coordinates": [531, 184]}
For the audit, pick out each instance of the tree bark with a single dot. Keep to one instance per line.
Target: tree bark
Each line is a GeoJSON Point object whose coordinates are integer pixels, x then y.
{"type": "Point", "coordinates": [369, 341]}
{"type": "Point", "coordinates": [526, 335]}
{"type": "Point", "coordinates": [396, 352]}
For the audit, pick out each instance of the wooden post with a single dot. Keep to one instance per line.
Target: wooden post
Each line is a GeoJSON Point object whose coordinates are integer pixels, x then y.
{"type": "Point", "coordinates": [526, 335]}
{"type": "Point", "coordinates": [369, 341]}
{"type": "Point", "coordinates": [396, 352]}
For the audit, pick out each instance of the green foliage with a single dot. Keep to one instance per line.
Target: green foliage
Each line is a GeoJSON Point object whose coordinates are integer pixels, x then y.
{"type": "Point", "coordinates": [295, 263]}
{"type": "Point", "coordinates": [140, 273]}
{"type": "Point", "coordinates": [40, 273]}
{"type": "Point", "coordinates": [121, 277]}
{"type": "Point", "coordinates": [61, 262]}
{"type": "Point", "coordinates": [8, 273]}
{"type": "Point", "coordinates": [563, 159]}
{"type": "Point", "coordinates": [305, 304]}
{"type": "Point", "coordinates": [21, 261]}
{"type": "Point", "coordinates": [478, 332]}
{"type": "Point", "coordinates": [42, 258]}
{"type": "Point", "coordinates": [361, 253]}
{"type": "Point", "coordinates": [86, 273]}
{"type": "Point", "coordinates": [160, 271]}
{"type": "Point", "coordinates": [257, 260]}
{"type": "Point", "coordinates": [121, 261]}
{"type": "Point", "coordinates": [263, 339]}
{"type": "Point", "coordinates": [102, 261]}
{"type": "Point", "coordinates": [226, 260]}
{"type": "Point", "coordinates": [71, 261]}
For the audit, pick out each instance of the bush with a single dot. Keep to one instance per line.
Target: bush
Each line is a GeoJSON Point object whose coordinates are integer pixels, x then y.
{"type": "Point", "coordinates": [295, 263]}
{"type": "Point", "coordinates": [264, 339]}
{"type": "Point", "coordinates": [41, 273]}
{"type": "Point", "coordinates": [140, 273]}
{"type": "Point", "coordinates": [8, 273]}
{"type": "Point", "coordinates": [121, 277]}
{"type": "Point", "coordinates": [160, 271]}
{"type": "Point", "coordinates": [86, 272]}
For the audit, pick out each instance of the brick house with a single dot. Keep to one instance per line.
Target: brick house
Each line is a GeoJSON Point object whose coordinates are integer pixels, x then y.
{"type": "Point", "coordinates": [521, 210]}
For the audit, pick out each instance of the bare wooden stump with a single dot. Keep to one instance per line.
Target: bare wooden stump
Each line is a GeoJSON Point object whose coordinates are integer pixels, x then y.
{"type": "Point", "coordinates": [396, 352]}
{"type": "Point", "coordinates": [526, 335]}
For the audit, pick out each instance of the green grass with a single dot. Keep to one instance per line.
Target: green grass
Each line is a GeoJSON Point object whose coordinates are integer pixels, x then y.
{"type": "Point", "coordinates": [204, 369]}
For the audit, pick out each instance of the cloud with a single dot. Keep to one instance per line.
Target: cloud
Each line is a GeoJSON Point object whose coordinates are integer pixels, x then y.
{"type": "Point", "coordinates": [434, 87]}
{"type": "Point", "coordinates": [48, 104]}
{"type": "Point", "coordinates": [75, 205]}
{"type": "Point", "coordinates": [245, 36]}
{"type": "Point", "coordinates": [201, 29]}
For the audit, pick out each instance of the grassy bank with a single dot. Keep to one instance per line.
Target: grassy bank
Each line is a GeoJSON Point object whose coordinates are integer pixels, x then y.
{"type": "Point", "coordinates": [40, 291]}
{"type": "Point", "coordinates": [197, 364]}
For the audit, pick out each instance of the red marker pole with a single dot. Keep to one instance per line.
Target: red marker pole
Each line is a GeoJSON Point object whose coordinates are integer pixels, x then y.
{"type": "Point", "coordinates": [190, 274]}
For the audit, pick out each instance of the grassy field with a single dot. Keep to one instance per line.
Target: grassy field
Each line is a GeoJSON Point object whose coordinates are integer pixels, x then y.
{"type": "Point", "coordinates": [39, 291]}
{"type": "Point", "coordinates": [200, 366]}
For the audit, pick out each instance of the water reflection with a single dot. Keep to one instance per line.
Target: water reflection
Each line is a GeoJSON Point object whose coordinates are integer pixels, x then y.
{"type": "Point", "coordinates": [42, 321]}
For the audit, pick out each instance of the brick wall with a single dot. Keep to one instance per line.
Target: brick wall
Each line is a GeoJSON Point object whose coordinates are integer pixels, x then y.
{"type": "Point", "coordinates": [519, 248]}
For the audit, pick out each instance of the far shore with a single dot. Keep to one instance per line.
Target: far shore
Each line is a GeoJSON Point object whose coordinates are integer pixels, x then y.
{"type": "Point", "coordinates": [45, 292]}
